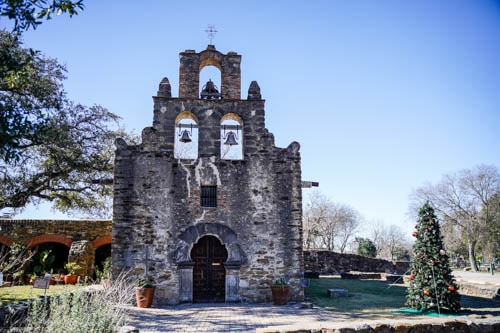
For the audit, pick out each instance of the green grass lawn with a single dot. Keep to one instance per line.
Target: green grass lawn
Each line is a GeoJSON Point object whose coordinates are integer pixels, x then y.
{"type": "Point", "coordinates": [20, 293]}
{"type": "Point", "coordinates": [372, 299]}
{"type": "Point", "coordinates": [367, 298]}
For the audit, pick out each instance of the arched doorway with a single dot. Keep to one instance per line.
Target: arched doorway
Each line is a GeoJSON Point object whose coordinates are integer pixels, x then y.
{"type": "Point", "coordinates": [209, 273]}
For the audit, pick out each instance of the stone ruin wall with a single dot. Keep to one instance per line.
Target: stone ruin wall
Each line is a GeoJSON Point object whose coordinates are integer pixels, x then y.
{"type": "Point", "coordinates": [333, 263]}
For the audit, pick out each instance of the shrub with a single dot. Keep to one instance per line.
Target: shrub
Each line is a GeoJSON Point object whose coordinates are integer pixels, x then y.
{"type": "Point", "coordinates": [105, 272]}
{"type": "Point", "coordinates": [85, 310]}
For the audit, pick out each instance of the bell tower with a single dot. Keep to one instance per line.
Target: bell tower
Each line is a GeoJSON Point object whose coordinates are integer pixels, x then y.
{"type": "Point", "coordinates": [206, 205]}
{"type": "Point", "coordinates": [191, 64]}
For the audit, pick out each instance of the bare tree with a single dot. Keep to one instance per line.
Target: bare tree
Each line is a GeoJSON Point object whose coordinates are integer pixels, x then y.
{"type": "Point", "coordinates": [328, 224]}
{"type": "Point", "coordinates": [14, 258]}
{"type": "Point", "coordinates": [317, 226]}
{"type": "Point", "coordinates": [388, 240]}
{"type": "Point", "coordinates": [490, 241]}
{"type": "Point", "coordinates": [463, 200]}
{"type": "Point", "coordinates": [378, 232]}
{"type": "Point", "coordinates": [394, 240]}
{"type": "Point", "coordinates": [348, 222]}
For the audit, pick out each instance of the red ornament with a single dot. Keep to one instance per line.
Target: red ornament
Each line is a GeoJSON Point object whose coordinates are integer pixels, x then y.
{"type": "Point", "coordinates": [412, 277]}
{"type": "Point", "coordinates": [414, 234]}
{"type": "Point", "coordinates": [416, 226]}
{"type": "Point", "coordinates": [426, 292]}
{"type": "Point", "coordinates": [451, 288]}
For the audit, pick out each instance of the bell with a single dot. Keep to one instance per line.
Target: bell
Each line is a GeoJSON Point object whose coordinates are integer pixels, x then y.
{"type": "Point", "coordinates": [231, 139]}
{"type": "Point", "coordinates": [185, 137]}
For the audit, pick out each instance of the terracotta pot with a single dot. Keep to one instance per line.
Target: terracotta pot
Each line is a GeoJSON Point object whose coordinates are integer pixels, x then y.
{"type": "Point", "coordinates": [280, 294]}
{"type": "Point", "coordinates": [144, 297]}
{"type": "Point", "coordinates": [70, 279]}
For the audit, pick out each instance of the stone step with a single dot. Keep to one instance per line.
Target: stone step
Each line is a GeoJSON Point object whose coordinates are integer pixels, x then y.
{"type": "Point", "coordinates": [333, 293]}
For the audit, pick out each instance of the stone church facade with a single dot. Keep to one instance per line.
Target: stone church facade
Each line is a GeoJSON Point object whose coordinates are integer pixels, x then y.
{"type": "Point", "coordinates": [207, 207]}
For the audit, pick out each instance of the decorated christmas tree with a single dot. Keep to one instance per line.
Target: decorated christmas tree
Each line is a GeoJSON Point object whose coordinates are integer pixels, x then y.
{"type": "Point", "coordinates": [432, 286]}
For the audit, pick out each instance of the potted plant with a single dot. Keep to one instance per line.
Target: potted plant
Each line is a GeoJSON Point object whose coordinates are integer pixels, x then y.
{"type": "Point", "coordinates": [103, 274]}
{"type": "Point", "coordinates": [144, 293]}
{"type": "Point", "coordinates": [71, 277]}
{"type": "Point", "coordinates": [280, 290]}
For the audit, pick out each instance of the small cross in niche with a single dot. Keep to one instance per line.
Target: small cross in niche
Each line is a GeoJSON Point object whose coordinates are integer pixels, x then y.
{"type": "Point", "coordinates": [211, 31]}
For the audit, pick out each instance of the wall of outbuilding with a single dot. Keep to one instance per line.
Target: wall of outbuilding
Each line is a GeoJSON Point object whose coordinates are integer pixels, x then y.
{"type": "Point", "coordinates": [82, 237]}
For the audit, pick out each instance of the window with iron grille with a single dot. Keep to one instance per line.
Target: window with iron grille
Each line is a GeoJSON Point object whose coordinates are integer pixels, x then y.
{"type": "Point", "coordinates": [208, 196]}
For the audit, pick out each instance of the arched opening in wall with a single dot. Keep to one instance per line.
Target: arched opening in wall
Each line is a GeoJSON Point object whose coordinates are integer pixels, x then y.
{"type": "Point", "coordinates": [102, 254]}
{"type": "Point", "coordinates": [4, 255]}
{"type": "Point", "coordinates": [231, 142]}
{"type": "Point", "coordinates": [5, 259]}
{"type": "Point", "coordinates": [209, 273]}
{"type": "Point", "coordinates": [49, 258]}
{"type": "Point", "coordinates": [210, 72]}
{"type": "Point", "coordinates": [186, 136]}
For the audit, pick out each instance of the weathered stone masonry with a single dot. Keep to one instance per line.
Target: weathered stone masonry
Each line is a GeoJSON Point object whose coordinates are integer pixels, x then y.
{"type": "Point", "coordinates": [158, 219]}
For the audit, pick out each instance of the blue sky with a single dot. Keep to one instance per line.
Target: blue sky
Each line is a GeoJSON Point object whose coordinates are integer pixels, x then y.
{"type": "Point", "coordinates": [382, 95]}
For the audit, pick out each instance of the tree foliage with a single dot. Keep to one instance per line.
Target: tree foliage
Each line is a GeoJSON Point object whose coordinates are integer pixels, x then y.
{"type": "Point", "coordinates": [432, 285]}
{"type": "Point", "coordinates": [464, 201]}
{"type": "Point", "coordinates": [366, 248]}
{"type": "Point", "coordinates": [72, 168]}
{"type": "Point", "coordinates": [401, 253]}
{"type": "Point", "coordinates": [30, 94]}
{"type": "Point", "coordinates": [28, 14]}
{"type": "Point", "coordinates": [51, 149]}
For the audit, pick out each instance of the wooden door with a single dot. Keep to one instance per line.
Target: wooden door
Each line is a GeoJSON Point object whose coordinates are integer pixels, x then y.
{"type": "Point", "coordinates": [209, 274]}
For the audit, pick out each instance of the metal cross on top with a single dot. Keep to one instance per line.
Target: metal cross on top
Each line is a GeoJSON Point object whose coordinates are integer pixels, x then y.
{"type": "Point", "coordinates": [211, 31]}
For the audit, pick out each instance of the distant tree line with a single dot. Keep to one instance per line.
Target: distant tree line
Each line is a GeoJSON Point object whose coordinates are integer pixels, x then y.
{"type": "Point", "coordinates": [468, 205]}
{"type": "Point", "coordinates": [336, 226]}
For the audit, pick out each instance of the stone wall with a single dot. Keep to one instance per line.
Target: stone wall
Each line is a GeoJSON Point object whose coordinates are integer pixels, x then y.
{"type": "Point", "coordinates": [428, 325]}
{"type": "Point", "coordinates": [479, 290]}
{"type": "Point", "coordinates": [29, 231]}
{"type": "Point", "coordinates": [82, 237]}
{"type": "Point", "coordinates": [333, 263]}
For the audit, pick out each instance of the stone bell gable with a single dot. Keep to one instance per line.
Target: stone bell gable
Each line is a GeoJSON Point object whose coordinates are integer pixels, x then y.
{"type": "Point", "coordinates": [207, 206]}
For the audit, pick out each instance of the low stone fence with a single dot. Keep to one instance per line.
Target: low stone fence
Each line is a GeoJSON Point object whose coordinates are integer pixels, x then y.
{"type": "Point", "coordinates": [332, 263]}
{"type": "Point", "coordinates": [427, 325]}
{"type": "Point", "coordinates": [479, 290]}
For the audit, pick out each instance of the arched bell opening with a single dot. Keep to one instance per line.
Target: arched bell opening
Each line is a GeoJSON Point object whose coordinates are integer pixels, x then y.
{"type": "Point", "coordinates": [186, 136]}
{"type": "Point", "coordinates": [231, 131]}
{"type": "Point", "coordinates": [210, 81]}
